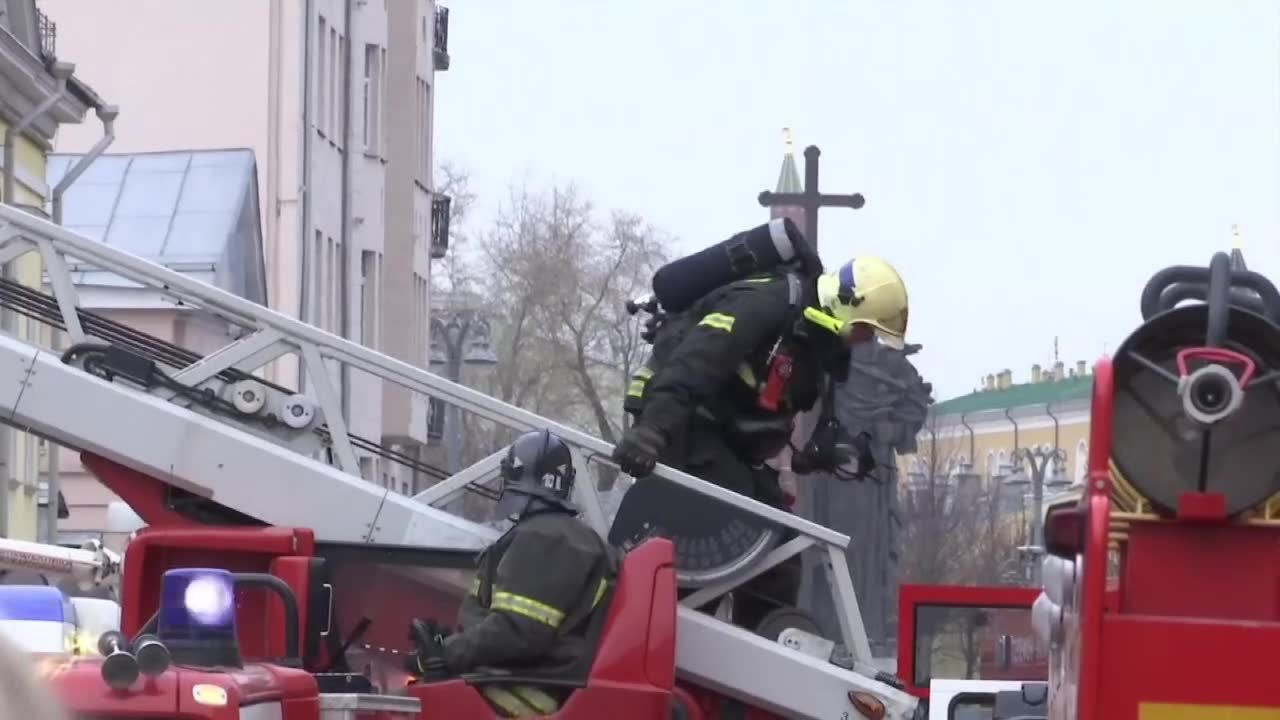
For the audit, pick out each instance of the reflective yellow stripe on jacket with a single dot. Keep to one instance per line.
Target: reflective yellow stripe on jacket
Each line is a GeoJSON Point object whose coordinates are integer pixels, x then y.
{"type": "Point", "coordinates": [604, 585]}
{"type": "Point", "coordinates": [638, 381]}
{"type": "Point", "coordinates": [530, 608]}
{"type": "Point", "coordinates": [719, 321]}
{"type": "Point", "coordinates": [526, 606]}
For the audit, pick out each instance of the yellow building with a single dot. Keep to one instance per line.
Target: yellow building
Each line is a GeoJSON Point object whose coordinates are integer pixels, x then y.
{"type": "Point", "coordinates": [971, 483]}
{"type": "Point", "coordinates": [976, 437]}
{"type": "Point", "coordinates": [37, 94]}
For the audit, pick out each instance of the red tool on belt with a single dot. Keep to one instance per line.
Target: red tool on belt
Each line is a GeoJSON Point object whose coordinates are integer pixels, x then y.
{"type": "Point", "coordinates": [779, 373]}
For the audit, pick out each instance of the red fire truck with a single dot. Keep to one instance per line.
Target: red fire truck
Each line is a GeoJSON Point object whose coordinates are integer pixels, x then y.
{"type": "Point", "coordinates": [1161, 597]}
{"type": "Point", "coordinates": [1162, 583]}
{"type": "Point", "coordinates": [255, 492]}
{"type": "Point", "coordinates": [270, 584]}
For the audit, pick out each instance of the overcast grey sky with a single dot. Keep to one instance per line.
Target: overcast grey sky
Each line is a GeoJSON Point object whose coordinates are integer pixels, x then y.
{"type": "Point", "coordinates": [1027, 165]}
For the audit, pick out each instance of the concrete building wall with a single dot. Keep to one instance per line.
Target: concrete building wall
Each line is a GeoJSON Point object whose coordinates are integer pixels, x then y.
{"type": "Point", "coordinates": [262, 74]}
{"type": "Point", "coordinates": [196, 75]}
{"type": "Point", "coordinates": [29, 189]}
{"type": "Point", "coordinates": [409, 193]}
{"type": "Point", "coordinates": [25, 83]}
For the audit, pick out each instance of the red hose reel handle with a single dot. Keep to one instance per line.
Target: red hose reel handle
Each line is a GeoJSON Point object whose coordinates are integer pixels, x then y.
{"type": "Point", "coordinates": [1221, 356]}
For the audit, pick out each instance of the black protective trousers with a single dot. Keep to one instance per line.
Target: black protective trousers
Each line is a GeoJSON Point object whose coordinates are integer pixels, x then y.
{"type": "Point", "coordinates": [705, 454]}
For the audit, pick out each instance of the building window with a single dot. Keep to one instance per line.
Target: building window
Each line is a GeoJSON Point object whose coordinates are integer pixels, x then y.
{"type": "Point", "coordinates": [372, 111]}
{"type": "Point", "coordinates": [339, 72]}
{"type": "Point", "coordinates": [382, 96]}
{"type": "Point", "coordinates": [370, 297]}
{"type": "Point", "coordinates": [335, 283]}
{"type": "Point", "coordinates": [417, 127]}
{"type": "Point", "coordinates": [425, 134]}
{"type": "Point", "coordinates": [334, 82]}
{"type": "Point", "coordinates": [322, 82]}
{"type": "Point", "coordinates": [424, 311]}
{"type": "Point", "coordinates": [421, 331]}
{"type": "Point", "coordinates": [417, 329]}
{"type": "Point", "coordinates": [315, 277]}
{"type": "Point", "coordinates": [435, 419]}
{"type": "Point", "coordinates": [330, 272]}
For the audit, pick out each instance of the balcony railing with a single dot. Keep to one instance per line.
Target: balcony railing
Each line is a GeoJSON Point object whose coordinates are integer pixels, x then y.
{"type": "Point", "coordinates": [440, 51]}
{"type": "Point", "coordinates": [440, 205]}
{"type": "Point", "coordinates": [48, 30]}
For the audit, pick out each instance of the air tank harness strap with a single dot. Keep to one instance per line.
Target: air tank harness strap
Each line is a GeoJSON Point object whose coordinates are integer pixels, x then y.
{"type": "Point", "coordinates": [741, 259]}
{"type": "Point", "coordinates": [487, 567]}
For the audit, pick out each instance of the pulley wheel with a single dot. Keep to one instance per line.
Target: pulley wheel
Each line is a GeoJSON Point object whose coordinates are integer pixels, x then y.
{"type": "Point", "coordinates": [713, 541]}
{"type": "Point", "coordinates": [788, 618]}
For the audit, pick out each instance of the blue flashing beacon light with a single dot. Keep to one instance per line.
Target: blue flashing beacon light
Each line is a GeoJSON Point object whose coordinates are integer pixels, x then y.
{"type": "Point", "coordinates": [38, 618]}
{"type": "Point", "coordinates": [32, 603]}
{"type": "Point", "coordinates": [197, 604]}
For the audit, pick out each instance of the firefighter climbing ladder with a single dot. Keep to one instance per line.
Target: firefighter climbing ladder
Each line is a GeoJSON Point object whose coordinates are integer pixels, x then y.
{"type": "Point", "coordinates": [208, 426]}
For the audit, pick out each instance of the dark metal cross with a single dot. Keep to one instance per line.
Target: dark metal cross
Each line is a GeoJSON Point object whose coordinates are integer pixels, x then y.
{"type": "Point", "coordinates": [811, 199]}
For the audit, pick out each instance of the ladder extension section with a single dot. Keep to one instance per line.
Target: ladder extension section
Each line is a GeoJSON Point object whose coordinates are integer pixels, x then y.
{"type": "Point", "coordinates": [92, 561]}
{"type": "Point", "coordinates": [255, 453]}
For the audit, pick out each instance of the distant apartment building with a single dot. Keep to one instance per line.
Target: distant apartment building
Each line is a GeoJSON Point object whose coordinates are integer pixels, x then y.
{"type": "Point", "coordinates": [335, 101]}
{"type": "Point", "coordinates": [38, 95]}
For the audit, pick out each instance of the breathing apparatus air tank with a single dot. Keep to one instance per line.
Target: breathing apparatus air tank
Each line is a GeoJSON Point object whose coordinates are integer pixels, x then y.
{"type": "Point", "coordinates": [680, 283]}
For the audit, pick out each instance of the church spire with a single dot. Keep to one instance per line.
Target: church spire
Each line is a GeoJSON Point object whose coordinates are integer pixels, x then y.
{"type": "Point", "coordinates": [788, 177]}
{"type": "Point", "coordinates": [788, 182]}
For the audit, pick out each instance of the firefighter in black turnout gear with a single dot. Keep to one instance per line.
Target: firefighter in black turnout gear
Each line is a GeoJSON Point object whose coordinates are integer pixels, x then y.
{"type": "Point", "coordinates": [732, 364]}
{"type": "Point", "coordinates": [538, 588]}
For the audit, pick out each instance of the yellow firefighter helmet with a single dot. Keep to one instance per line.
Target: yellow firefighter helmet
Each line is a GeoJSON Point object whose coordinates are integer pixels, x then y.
{"type": "Point", "coordinates": [867, 291]}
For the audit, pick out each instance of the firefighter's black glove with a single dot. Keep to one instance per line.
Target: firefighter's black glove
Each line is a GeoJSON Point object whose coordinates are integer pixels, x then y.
{"type": "Point", "coordinates": [427, 660]}
{"type": "Point", "coordinates": [638, 450]}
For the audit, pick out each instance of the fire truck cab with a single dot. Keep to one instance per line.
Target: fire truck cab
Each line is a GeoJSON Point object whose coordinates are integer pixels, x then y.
{"type": "Point", "coordinates": [265, 622]}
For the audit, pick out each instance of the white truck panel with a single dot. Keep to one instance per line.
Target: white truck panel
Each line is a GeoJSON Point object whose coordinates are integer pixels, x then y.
{"type": "Point", "coordinates": [746, 666]}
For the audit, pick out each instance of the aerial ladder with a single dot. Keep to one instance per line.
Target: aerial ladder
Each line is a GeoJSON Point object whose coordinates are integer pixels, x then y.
{"type": "Point", "coordinates": [90, 565]}
{"type": "Point", "coordinates": [209, 427]}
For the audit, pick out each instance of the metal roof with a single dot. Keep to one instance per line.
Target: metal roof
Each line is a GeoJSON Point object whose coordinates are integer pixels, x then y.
{"type": "Point", "coordinates": [1055, 392]}
{"type": "Point", "coordinates": [195, 212]}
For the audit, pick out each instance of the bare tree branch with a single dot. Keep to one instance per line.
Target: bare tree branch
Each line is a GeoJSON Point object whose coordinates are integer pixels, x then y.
{"type": "Point", "coordinates": [554, 280]}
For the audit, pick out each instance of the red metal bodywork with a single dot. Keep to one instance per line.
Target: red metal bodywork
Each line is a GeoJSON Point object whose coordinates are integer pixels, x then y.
{"type": "Point", "coordinates": [1191, 628]}
{"type": "Point", "coordinates": [256, 550]}
{"type": "Point", "coordinates": [634, 668]}
{"type": "Point", "coordinates": [632, 675]}
{"type": "Point", "coordinates": [172, 695]}
{"type": "Point", "coordinates": [1008, 610]}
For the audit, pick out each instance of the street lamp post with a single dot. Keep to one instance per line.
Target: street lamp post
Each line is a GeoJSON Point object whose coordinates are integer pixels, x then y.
{"type": "Point", "coordinates": [459, 337]}
{"type": "Point", "coordinates": [1040, 459]}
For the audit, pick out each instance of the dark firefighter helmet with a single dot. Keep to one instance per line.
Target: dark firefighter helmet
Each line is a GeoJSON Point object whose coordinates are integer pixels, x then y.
{"type": "Point", "coordinates": [538, 466]}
